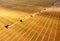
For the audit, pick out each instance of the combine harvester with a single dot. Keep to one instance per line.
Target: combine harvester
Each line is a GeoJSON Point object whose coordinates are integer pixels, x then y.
{"type": "Point", "coordinates": [26, 17]}
{"type": "Point", "coordinates": [33, 14]}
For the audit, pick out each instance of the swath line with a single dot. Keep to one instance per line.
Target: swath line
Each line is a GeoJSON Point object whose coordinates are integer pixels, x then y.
{"type": "Point", "coordinates": [35, 33]}
{"type": "Point", "coordinates": [56, 30]}
{"type": "Point", "coordinates": [46, 30]}
{"type": "Point", "coordinates": [41, 31]}
{"type": "Point", "coordinates": [51, 29]}
{"type": "Point", "coordinates": [26, 38]}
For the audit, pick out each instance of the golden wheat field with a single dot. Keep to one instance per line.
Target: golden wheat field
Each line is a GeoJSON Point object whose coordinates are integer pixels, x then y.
{"type": "Point", "coordinates": [41, 27]}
